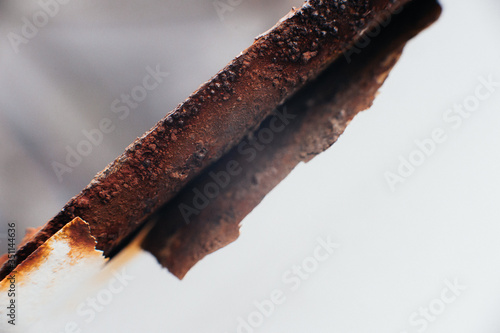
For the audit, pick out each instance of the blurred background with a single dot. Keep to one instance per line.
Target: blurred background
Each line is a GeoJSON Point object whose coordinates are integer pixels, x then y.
{"type": "Point", "coordinates": [401, 247]}
{"type": "Point", "coordinates": [62, 78]}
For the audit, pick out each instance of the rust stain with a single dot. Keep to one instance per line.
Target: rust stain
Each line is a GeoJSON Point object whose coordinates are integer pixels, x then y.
{"type": "Point", "coordinates": [76, 235]}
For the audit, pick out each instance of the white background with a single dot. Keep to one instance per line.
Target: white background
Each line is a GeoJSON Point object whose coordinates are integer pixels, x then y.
{"type": "Point", "coordinates": [397, 248]}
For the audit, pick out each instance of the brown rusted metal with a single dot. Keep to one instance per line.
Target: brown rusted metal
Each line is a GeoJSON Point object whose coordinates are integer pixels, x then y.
{"type": "Point", "coordinates": [310, 122]}
{"type": "Point", "coordinates": [214, 119]}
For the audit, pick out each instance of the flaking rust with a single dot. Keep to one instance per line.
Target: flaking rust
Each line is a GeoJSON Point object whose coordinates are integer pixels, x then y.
{"type": "Point", "coordinates": [196, 223]}
{"type": "Point", "coordinates": [213, 120]}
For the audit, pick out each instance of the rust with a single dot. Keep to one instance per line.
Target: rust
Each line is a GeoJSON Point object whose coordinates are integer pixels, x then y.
{"type": "Point", "coordinates": [214, 119]}
{"type": "Point", "coordinates": [321, 111]}
{"type": "Point", "coordinates": [75, 236]}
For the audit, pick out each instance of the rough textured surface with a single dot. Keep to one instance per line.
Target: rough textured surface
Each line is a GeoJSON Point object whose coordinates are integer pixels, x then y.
{"type": "Point", "coordinates": [321, 111]}
{"type": "Point", "coordinates": [215, 118]}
